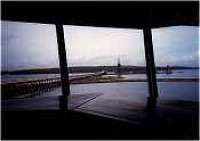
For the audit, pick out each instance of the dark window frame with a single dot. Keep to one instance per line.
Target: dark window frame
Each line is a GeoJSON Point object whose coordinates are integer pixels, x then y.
{"type": "Point", "coordinates": [150, 67]}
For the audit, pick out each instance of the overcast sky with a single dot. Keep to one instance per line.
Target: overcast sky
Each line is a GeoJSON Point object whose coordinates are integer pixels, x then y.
{"type": "Point", "coordinates": [28, 45]}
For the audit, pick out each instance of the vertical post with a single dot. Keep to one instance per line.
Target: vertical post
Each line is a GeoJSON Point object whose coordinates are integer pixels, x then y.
{"type": "Point", "coordinates": [63, 67]}
{"type": "Point", "coordinates": [150, 66]}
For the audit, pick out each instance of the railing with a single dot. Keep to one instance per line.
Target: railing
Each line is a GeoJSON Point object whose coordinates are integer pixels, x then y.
{"type": "Point", "coordinates": [20, 88]}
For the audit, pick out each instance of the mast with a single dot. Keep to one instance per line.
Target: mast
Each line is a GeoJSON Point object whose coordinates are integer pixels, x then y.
{"type": "Point", "coordinates": [118, 67]}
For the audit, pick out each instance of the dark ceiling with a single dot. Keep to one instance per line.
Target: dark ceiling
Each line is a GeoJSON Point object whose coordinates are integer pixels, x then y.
{"type": "Point", "coordinates": [107, 14]}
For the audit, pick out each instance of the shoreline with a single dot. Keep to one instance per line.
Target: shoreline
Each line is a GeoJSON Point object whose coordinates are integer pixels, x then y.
{"type": "Point", "coordinates": [134, 80]}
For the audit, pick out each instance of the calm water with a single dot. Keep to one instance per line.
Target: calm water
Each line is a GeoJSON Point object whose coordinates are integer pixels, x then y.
{"type": "Point", "coordinates": [131, 91]}
{"type": "Point", "coordinates": [135, 91]}
{"type": "Point", "coordinates": [186, 73]}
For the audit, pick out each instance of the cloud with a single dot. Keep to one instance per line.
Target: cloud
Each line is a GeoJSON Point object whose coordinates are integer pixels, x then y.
{"type": "Point", "coordinates": [34, 45]}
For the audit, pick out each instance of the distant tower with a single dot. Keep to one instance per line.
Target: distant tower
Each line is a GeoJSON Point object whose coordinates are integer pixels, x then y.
{"type": "Point", "coordinates": [118, 67]}
{"type": "Point", "coordinates": [118, 63]}
{"type": "Point", "coordinates": [168, 70]}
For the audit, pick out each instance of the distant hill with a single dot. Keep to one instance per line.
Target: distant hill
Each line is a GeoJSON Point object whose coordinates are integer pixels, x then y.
{"type": "Point", "coordinates": [91, 69]}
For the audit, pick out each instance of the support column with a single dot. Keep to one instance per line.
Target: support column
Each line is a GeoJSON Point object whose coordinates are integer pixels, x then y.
{"type": "Point", "coordinates": [150, 68]}
{"type": "Point", "coordinates": [63, 67]}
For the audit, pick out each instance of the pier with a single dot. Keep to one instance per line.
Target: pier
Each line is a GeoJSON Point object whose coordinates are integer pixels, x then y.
{"type": "Point", "coordinates": [31, 88]}
{"type": "Point", "coordinates": [20, 88]}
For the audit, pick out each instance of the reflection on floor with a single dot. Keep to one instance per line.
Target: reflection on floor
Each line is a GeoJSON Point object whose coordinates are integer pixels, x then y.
{"type": "Point", "coordinates": [171, 119]}
{"type": "Point", "coordinates": [46, 103]}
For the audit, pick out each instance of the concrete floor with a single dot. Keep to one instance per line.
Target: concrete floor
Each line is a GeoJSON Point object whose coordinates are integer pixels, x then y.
{"type": "Point", "coordinates": [172, 115]}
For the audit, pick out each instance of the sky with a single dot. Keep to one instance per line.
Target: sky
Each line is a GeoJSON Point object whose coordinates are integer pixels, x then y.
{"type": "Point", "coordinates": [30, 45]}
{"type": "Point", "coordinates": [176, 46]}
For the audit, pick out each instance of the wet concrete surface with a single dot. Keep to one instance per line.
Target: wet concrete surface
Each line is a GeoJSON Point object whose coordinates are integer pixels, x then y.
{"type": "Point", "coordinates": [92, 116]}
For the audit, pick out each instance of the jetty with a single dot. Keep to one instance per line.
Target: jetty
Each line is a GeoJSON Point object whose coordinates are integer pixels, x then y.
{"type": "Point", "coordinates": [20, 88]}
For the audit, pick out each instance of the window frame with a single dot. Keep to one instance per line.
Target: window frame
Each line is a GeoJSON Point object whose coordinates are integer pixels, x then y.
{"type": "Point", "coordinates": [150, 67]}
